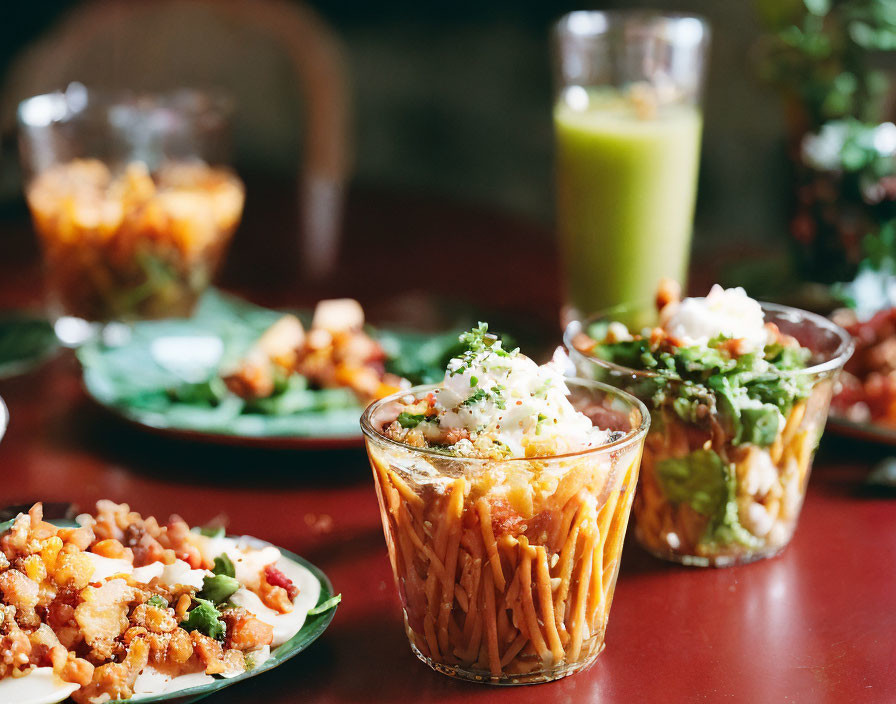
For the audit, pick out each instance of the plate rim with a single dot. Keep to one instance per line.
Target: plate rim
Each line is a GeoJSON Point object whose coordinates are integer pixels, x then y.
{"type": "Point", "coordinates": [873, 432]}
{"type": "Point", "coordinates": [225, 439]}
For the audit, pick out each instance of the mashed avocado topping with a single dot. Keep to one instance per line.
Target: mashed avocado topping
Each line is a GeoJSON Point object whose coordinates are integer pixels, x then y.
{"type": "Point", "coordinates": [708, 485]}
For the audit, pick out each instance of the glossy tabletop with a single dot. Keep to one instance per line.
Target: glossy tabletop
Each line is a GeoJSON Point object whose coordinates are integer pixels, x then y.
{"type": "Point", "coordinates": [816, 624]}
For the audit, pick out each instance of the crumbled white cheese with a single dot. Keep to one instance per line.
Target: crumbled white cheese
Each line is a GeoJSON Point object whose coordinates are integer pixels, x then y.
{"type": "Point", "coordinates": [728, 312]}
{"type": "Point", "coordinates": [508, 397]}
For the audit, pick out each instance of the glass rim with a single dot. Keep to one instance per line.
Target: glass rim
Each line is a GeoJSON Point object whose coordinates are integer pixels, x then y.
{"type": "Point", "coordinates": [837, 359]}
{"type": "Point", "coordinates": [631, 437]}
{"type": "Point", "coordinates": [77, 99]}
{"type": "Point", "coordinates": [565, 25]}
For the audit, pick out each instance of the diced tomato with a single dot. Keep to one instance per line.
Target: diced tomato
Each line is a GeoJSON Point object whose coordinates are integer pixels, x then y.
{"type": "Point", "coordinates": [276, 578]}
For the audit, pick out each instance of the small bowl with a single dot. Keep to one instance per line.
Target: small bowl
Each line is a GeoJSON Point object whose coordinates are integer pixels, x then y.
{"type": "Point", "coordinates": [506, 568]}
{"type": "Point", "coordinates": [745, 504]}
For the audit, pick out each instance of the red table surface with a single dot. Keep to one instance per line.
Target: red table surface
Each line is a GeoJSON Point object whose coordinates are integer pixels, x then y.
{"type": "Point", "coordinates": [816, 624]}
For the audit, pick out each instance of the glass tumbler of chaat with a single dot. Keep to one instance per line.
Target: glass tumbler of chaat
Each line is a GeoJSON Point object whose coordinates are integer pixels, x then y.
{"type": "Point", "coordinates": [505, 493]}
{"type": "Point", "coordinates": [132, 201]}
{"type": "Point", "coordinates": [738, 392]}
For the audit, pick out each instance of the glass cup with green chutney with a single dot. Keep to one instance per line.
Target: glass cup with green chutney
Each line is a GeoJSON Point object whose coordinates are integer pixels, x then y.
{"type": "Point", "coordinates": [628, 122]}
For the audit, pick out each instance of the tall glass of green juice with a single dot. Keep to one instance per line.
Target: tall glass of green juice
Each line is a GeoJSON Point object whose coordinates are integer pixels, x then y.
{"type": "Point", "coordinates": [628, 122]}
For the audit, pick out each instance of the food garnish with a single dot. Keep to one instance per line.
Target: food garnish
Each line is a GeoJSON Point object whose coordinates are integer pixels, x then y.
{"type": "Point", "coordinates": [122, 605]}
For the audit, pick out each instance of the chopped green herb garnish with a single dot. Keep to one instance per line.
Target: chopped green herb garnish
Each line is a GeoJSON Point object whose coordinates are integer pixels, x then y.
{"type": "Point", "coordinates": [325, 606]}
{"type": "Point", "coordinates": [475, 340]}
{"type": "Point", "coordinates": [156, 600]}
{"type": "Point", "coordinates": [409, 420]}
{"type": "Point", "coordinates": [473, 381]}
{"type": "Point", "coordinates": [476, 397]}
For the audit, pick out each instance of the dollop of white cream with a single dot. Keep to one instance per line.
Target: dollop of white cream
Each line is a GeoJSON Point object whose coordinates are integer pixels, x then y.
{"type": "Point", "coordinates": [152, 681]}
{"type": "Point", "coordinates": [285, 625]}
{"type": "Point", "coordinates": [149, 572]}
{"type": "Point", "coordinates": [180, 572]}
{"type": "Point", "coordinates": [40, 686]}
{"type": "Point", "coordinates": [511, 399]}
{"type": "Point", "coordinates": [729, 312]}
{"type": "Point", "coordinates": [105, 567]}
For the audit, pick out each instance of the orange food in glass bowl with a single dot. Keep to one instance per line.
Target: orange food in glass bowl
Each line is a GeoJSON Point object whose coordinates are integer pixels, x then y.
{"type": "Point", "coordinates": [129, 244]}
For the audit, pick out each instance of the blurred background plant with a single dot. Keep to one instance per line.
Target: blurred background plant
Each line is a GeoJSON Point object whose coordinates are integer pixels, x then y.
{"type": "Point", "coordinates": [828, 60]}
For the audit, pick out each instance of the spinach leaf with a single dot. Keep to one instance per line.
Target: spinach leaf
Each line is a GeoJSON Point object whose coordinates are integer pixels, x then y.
{"type": "Point", "coordinates": [224, 565]}
{"type": "Point", "coordinates": [219, 588]}
{"type": "Point", "coordinates": [206, 619]}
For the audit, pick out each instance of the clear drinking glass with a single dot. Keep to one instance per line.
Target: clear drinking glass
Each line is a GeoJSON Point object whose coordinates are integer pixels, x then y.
{"type": "Point", "coordinates": [768, 483]}
{"type": "Point", "coordinates": [628, 121]}
{"type": "Point", "coordinates": [130, 202]}
{"type": "Point", "coordinates": [506, 568]}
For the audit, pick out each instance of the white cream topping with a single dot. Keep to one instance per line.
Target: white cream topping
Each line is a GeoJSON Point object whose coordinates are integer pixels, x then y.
{"type": "Point", "coordinates": [152, 681]}
{"type": "Point", "coordinates": [729, 312]}
{"type": "Point", "coordinates": [285, 625]}
{"type": "Point", "coordinates": [510, 398]}
{"type": "Point", "coordinates": [105, 567]}
{"type": "Point", "coordinates": [149, 572]}
{"type": "Point", "coordinates": [180, 572]}
{"type": "Point", "coordinates": [40, 686]}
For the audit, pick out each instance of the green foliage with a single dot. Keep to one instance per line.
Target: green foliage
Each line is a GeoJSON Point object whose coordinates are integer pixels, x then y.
{"type": "Point", "coordinates": [819, 52]}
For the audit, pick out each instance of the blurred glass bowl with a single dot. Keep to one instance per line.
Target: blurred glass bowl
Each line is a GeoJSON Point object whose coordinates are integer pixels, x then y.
{"type": "Point", "coordinates": [130, 202]}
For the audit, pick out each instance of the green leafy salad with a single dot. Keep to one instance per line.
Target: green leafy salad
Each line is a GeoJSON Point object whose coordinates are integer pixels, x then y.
{"type": "Point", "coordinates": [732, 401]}
{"type": "Point", "coordinates": [169, 374]}
{"type": "Point", "coordinates": [751, 395]}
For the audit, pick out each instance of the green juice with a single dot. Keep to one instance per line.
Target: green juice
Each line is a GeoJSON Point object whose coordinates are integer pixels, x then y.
{"type": "Point", "coordinates": [626, 186]}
